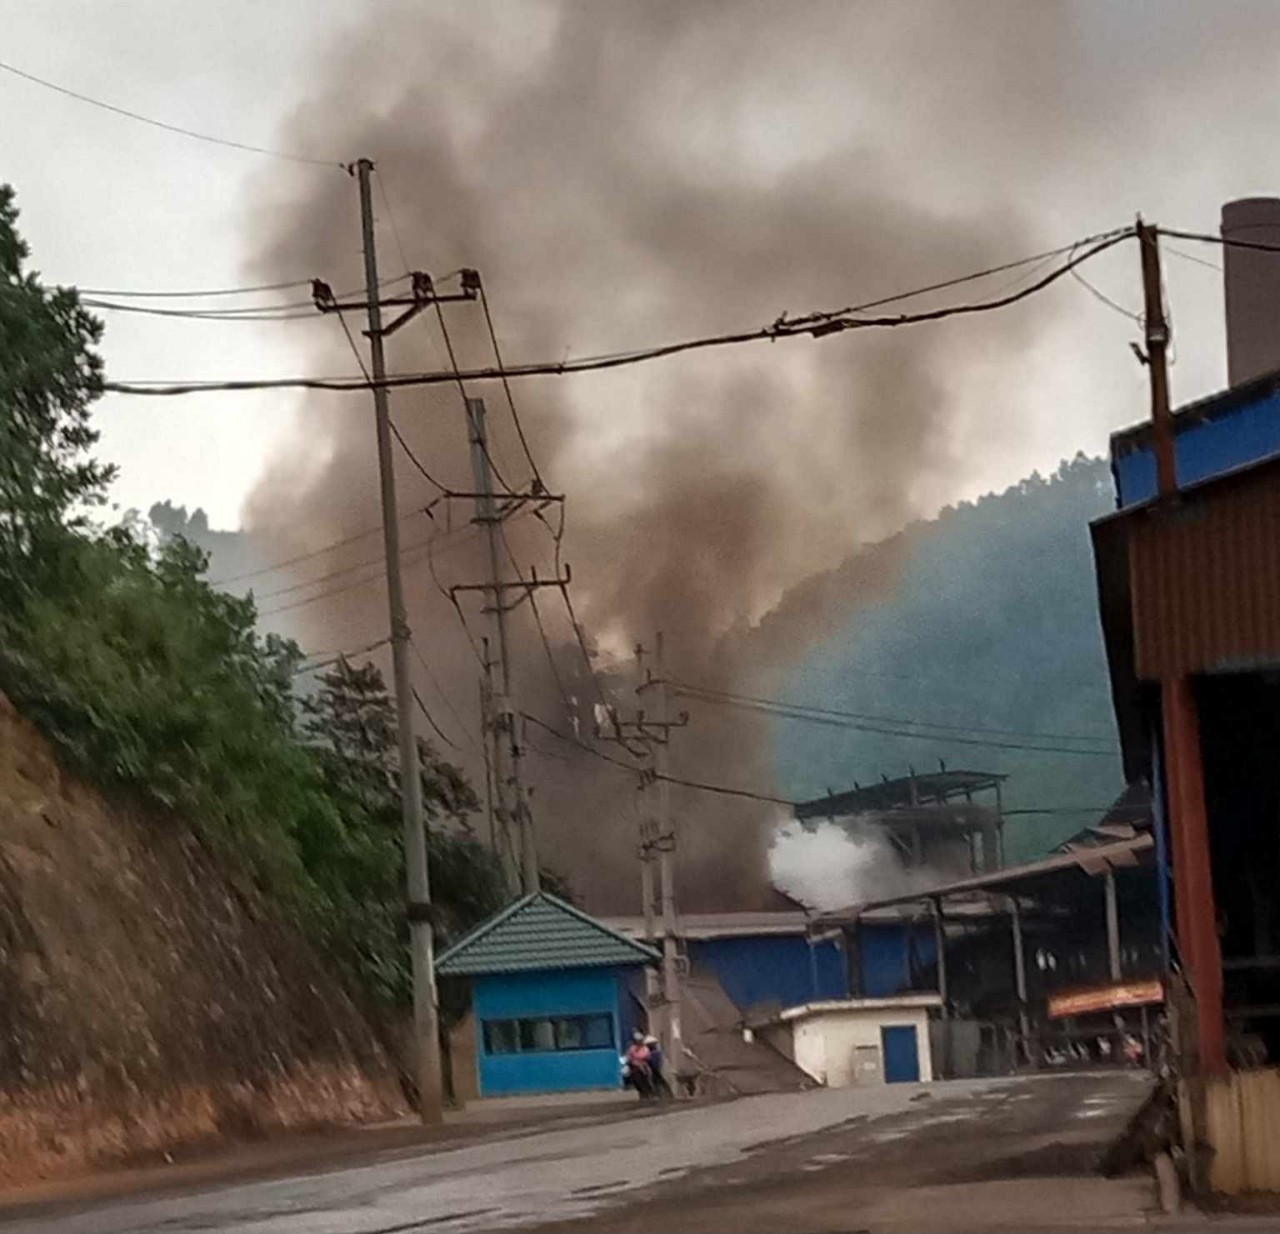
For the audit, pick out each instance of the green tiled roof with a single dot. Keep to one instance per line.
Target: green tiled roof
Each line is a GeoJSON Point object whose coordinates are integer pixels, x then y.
{"type": "Point", "coordinates": [536, 933]}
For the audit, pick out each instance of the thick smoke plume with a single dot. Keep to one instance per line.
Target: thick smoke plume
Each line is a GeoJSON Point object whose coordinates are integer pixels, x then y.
{"type": "Point", "coordinates": [624, 174]}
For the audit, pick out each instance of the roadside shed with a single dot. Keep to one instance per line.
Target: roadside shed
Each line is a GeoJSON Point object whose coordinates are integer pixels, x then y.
{"type": "Point", "coordinates": [549, 995]}
{"type": "Point", "coordinates": [857, 1041]}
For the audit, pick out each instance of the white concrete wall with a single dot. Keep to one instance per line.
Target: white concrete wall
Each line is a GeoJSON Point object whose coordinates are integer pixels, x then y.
{"type": "Point", "coordinates": [825, 1042]}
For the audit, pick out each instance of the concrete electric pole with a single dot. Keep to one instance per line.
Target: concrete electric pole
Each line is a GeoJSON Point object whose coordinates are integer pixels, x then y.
{"type": "Point", "coordinates": [426, 1023]}
{"type": "Point", "coordinates": [665, 842]}
{"type": "Point", "coordinates": [657, 839]}
{"type": "Point", "coordinates": [513, 804]}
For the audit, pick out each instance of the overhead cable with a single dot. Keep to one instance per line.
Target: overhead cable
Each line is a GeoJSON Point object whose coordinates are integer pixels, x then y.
{"type": "Point", "coordinates": [937, 737]}
{"type": "Point", "coordinates": [506, 386]}
{"type": "Point", "coordinates": [700, 785]}
{"type": "Point", "coordinates": [444, 697]}
{"type": "Point", "coordinates": [712, 695]}
{"type": "Point", "coordinates": [439, 732]}
{"type": "Point", "coordinates": [814, 325]}
{"type": "Point", "coordinates": [1230, 242]}
{"type": "Point", "coordinates": [172, 128]}
{"type": "Point", "coordinates": [112, 293]}
{"type": "Point", "coordinates": [215, 292]}
{"type": "Point", "coordinates": [336, 657]}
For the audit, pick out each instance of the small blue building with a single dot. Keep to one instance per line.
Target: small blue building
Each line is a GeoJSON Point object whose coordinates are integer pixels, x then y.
{"type": "Point", "coordinates": [550, 994]}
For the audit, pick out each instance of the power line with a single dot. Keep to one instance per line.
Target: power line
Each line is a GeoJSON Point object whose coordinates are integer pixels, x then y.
{"type": "Point", "coordinates": [332, 574]}
{"type": "Point", "coordinates": [444, 698]}
{"type": "Point", "coordinates": [324, 595]}
{"type": "Point", "coordinates": [391, 424]}
{"type": "Point", "coordinates": [700, 785]}
{"type": "Point", "coordinates": [301, 557]}
{"type": "Point", "coordinates": [506, 386]}
{"type": "Point", "coordinates": [413, 458]}
{"type": "Point", "coordinates": [1224, 241]}
{"type": "Point", "coordinates": [1103, 298]}
{"type": "Point", "coordinates": [422, 707]}
{"type": "Point", "coordinates": [172, 128]}
{"type": "Point", "coordinates": [290, 310]}
{"type": "Point", "coordinates": [462, 391]}
{"type": "Point", "coordinates": [391, 215]}
{"type": "Point", "coordinates": [712, 695]}
{"type": "Point", "coordinates": [946, 284]}
{"type": "Point", "coordinates": [258, 314]}
{"type": "Point", "coordinates": [205, 294]}
{"type": "Point", "coordinates": [1191, 257]}
{"type": "Point", "coordinates": [335, 657]}
{"type": "Point", "coordinates": [213, 292]}
{"type": "Point", "coordinates": [452, 598]}
{"type": "Point", "coordinates": [940, 738]}
{"type": "Point", "coordinates": [816, 325]}
{"type": "Point", "coordinates": [537, 617]}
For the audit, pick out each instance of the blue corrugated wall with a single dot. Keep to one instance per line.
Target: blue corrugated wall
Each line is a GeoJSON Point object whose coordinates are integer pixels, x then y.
{"type": "Point", "coordinates": [561, 992]}
{"type": "Point", "coordinates": [883, 957]}
{"type": "Point", "coordinates": [772, 969]}
{"type": "Point", "coordinates": [1242, 435]}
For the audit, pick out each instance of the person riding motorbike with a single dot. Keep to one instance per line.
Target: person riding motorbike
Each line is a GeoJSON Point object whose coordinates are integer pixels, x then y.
{"type": "Point", "coordinates": [637, 1069]}
{"type": "Point", "coordinates": [656, 1060]}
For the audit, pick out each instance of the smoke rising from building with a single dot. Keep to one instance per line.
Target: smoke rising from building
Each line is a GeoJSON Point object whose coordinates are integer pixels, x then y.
{"type": "Point", "coordinates": [835, 865]}
{"type": "Point", "coordinates": [624, 174]}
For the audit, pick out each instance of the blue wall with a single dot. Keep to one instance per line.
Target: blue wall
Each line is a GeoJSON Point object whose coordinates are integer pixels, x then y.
{"type": "Point", "coordinates": [769, 968]}
{"type": "Point", "coordinates": [1207, 448]}
{"type": "Point", "coordinates": [560, 992]}
{"type": "Point", "coordinates": [883, 958]}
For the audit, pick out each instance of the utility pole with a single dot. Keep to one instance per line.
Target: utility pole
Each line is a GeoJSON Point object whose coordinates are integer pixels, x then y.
{"type": "Point", "coordinates": [648, 828]}
{"type": "Point", "coordinates": [1197, 926]}
{"type": "Point", "coordinates": [513, 803]}
{"type": "Point", "coordinates": [656, 735]}
{"type": "Point", "coordinates": [422, 295]}
{"type": "Point", "coordinates": [666, 844]}
{"type": "Point", "coordinates": [1156, 358]}
{"type": "Point", "coordinates": [657, 839]}
{"type": "Point", "coordinates": [426, 1021]}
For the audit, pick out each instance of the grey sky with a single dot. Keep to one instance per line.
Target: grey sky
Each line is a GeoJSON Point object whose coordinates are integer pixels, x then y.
{"type": "Point", "coordinates": [107, 202]}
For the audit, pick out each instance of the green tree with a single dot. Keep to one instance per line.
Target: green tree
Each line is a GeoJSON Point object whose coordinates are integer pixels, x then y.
{"type": "Point", "coordinates": [150, 681]}
{"type": "Point", "coordinates": [350, 724]}
{"type": "Point", "coordinates": [49, 377]}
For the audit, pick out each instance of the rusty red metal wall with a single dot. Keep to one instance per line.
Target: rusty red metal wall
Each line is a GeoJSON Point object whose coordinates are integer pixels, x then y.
{"type": "Point", "coordinates": [1204, 576]}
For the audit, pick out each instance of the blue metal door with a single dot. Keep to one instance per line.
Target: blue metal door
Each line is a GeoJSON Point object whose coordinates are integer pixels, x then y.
{"type": "Point", "coordinates": [901, 1054]}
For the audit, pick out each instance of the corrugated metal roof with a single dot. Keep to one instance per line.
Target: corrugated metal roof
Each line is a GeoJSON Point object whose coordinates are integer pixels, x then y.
{"type": "Point", "coordinates": [1212, 407]}
{"type": "Point", "coordinates": [721, 925]}
{"type": "Point", "coordinates": [537, 933]}
{"type": "Point", "coordinates": [1092, 861]}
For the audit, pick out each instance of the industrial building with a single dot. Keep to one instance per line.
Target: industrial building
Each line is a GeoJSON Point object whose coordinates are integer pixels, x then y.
{"type": "Point", "coordinates": [951, 821]}
{"type": "Point", "coordinates": [1189, 592]}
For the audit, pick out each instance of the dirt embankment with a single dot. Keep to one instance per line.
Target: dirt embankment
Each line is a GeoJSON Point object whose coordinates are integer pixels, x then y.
{"type": "Point", "coordinates": [145, 1003]}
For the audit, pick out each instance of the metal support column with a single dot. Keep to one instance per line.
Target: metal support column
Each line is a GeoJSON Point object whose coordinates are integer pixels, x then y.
{"type": "Point", "coordinates": [1113, 926]}
{"type": "Point", "coordinates": [1195, 909]}
{"type": "Point", "coordinates": [1020, 977]}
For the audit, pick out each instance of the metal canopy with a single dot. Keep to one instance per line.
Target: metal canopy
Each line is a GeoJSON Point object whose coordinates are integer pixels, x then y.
{"type": "Point", "coordinates": [936, 787]}
{"type": "Point", "coordinates": [1093, 861]}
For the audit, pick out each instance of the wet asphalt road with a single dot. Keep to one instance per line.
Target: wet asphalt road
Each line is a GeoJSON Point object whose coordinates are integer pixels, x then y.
{"type": "Point", "coordinates": [652, 1170]}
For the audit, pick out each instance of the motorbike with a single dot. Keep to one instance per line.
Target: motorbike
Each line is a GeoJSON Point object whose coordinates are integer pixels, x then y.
{"type": "Point", "coordinates": [639, 1078]}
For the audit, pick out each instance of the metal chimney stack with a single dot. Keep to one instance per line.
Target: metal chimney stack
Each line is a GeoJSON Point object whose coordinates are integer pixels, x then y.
{"type": "Point", "coordinates": [1251, 280]}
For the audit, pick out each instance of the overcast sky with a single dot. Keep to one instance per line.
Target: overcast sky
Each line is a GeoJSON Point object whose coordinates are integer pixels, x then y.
{"type": "Point", "coordinates": [109, 203]}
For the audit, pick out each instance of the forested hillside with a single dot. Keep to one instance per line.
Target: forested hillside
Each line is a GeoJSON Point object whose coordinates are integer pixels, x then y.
{"type": "Point", "coordinates": [983, 618]}
{"type": "Point", "coordinates": [991, 625]}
